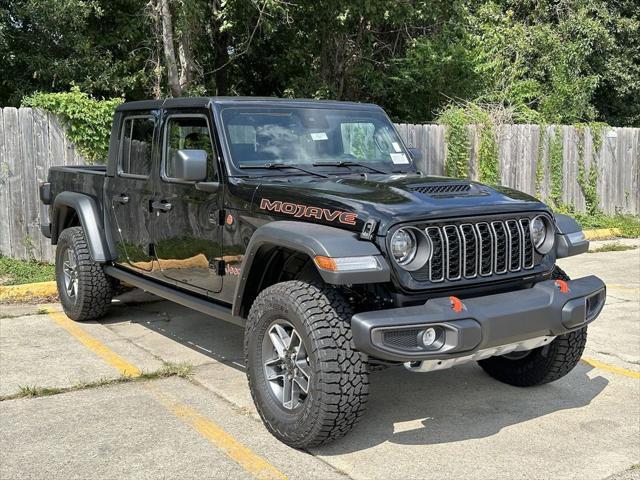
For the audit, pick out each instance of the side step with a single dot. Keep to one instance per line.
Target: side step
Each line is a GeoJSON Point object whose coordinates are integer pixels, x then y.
{"type": "Point", "coordinates": [175, 295]}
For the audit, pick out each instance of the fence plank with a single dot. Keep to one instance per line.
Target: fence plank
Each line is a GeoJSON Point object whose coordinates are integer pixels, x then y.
{"type": "Point", "coordinates": [14, 157]}
{"type": "Point", "coordinates": [41, 155]}
{"type": "Point", "coordinates": [31, 231]}
{"type": "Point", "coordinates": [5, 227]}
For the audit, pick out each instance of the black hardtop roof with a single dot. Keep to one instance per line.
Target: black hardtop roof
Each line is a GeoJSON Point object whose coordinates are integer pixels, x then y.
{"type": "Point", "coordinates": [195, 102]}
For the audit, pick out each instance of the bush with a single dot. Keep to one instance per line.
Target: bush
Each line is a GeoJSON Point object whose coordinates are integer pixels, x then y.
{"type": "Point", "coordinates": [88, 120]}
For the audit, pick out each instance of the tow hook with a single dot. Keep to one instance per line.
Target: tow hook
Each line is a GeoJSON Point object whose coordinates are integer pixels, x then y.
{"type": "Point", "coordinates": [456, 304]}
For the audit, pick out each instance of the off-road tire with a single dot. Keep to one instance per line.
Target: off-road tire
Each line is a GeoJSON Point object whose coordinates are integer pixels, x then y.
{"type": "Point", "coordinates": [544, 364]}
{"type": "Point", "coordinates": [94, 288]}
{"type": "Point", "coordinates": [339, 383]}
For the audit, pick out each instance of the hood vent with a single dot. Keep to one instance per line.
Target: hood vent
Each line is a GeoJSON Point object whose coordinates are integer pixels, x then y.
{"type": "Point", "coordinates": [448, 189]}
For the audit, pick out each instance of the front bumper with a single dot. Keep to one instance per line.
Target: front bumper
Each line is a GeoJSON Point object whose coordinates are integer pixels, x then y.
{"type": "Point", "coordinates": [482, 324]}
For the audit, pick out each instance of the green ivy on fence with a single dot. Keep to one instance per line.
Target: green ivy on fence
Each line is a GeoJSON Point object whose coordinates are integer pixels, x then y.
{"type": "Point", "coordinates": [458, 119]}
{"type": "Point", "coordinates": [88, 120]}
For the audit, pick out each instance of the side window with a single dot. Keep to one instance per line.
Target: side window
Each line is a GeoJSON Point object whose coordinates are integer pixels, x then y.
{"type": "Point", "coordinates": [188, 133]}
{"type": "Point", "coordinates": [137, 141]}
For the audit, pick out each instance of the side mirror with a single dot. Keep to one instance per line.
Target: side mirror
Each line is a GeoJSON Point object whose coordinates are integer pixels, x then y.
{"type": "Point", "coordinates": [415, 153]}
{"type": "Point", "coordinates": [191, 165]}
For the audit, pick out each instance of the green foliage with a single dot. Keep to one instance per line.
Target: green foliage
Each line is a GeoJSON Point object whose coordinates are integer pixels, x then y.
{"type": "Point", "coordinates": [17, 272]}
{"type": "Point", "coordinates": [629, 225]}
{"type": "Point", "coordinates": [588, 176]}
{"type": "Point", "coordinates": [88, 120]}
{"type": "Point", "coordinates": [548, 61]}
{"type": "Point", "coordinates": [556, 168]}
{"type": "Point", "coordinates": [457, 137]}
{"type": "Point", "coordinates": [485, 120]}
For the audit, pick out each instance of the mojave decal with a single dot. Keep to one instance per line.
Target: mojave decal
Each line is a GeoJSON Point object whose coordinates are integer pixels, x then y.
{"type": "Point", "coordinates": [300, 211]}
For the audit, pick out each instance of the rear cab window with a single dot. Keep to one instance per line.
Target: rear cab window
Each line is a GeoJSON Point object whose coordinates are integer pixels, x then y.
{"type": "Point", "coordinates": [136, 144]}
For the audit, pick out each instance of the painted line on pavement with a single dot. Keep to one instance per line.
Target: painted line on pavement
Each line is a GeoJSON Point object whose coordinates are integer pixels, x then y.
{"type": "Point", "coordinates": [236, 451]}
{"type": "Point", "coordinates": [239, 453]}
{"type": "Point", "coordinates": [611, 368]}
{"type": "Point", "coordinates": [97, 347]}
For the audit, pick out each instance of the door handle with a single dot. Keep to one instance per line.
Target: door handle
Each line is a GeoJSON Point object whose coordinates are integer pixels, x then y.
{"type": "Point", "coordinates": [120, 199]}
{"type": "Point", "coordinates": [162, 206]}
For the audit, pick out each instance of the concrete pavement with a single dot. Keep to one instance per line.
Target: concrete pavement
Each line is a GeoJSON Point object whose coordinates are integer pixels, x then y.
{"type": "Point", "coordinates": [456, 423]}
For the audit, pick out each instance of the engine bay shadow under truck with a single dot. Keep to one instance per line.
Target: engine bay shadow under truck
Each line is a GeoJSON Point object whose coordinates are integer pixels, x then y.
{"type": "Point", "coordinates": [308, 223]}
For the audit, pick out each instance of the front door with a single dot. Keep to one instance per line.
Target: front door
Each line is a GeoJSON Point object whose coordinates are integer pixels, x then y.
{"type": "Point", "coordinates": [128, 192]}
{"type": "Point", "coordinates": [186, 222]}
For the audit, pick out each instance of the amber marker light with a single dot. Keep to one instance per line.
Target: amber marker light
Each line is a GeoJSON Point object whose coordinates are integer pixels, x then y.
{"type": "Point", "coordinates": [347, 264]}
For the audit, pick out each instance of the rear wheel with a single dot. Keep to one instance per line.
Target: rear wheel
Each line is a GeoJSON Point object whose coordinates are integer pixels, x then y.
{"type": "Point", "coordinates": [308, 383]}
{"type": "Point", "coordinates": [541, 365]}
{"type": "Point", "coordinates": [84, 289]}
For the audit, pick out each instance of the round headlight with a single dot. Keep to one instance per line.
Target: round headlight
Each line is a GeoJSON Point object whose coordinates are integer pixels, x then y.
{"type": "Point", "coordinates": [403, 246]}
{"type": "Point", "coordinates": [542, 234]}
{"type": "Point", "coordinates": [410, 248]}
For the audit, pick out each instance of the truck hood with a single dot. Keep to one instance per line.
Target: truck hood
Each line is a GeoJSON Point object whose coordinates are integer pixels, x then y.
{"type": "Point", "coordinates": [388, 199]}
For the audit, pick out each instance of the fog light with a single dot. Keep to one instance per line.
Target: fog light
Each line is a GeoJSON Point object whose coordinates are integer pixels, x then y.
{"type": "Point", "coordinates": [432, 338]}
{"type": "Point", "coordinates": [429, 337]}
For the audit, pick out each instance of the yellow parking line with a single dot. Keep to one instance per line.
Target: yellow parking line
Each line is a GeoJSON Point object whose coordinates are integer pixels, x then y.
{"type": "Point", "coordinates": [242, 455]}
{"type": "Point", "coordinates": [94, 345]}
{"type": "Point", "coordinates": [611, 368]}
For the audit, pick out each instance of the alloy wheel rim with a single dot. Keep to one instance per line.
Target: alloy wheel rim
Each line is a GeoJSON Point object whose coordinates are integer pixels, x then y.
{"type": "Point", "coordinates": [70, 271]}
{"type": "Point", "coordinates": [286, 364]}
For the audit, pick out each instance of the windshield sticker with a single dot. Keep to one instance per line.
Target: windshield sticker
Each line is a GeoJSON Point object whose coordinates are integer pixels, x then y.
{"type": "Point", "coordinates": [396, 147]}
{"type": "Point", "coordinates": [317, 136]}
{"type": "Point", "coordinates": [399, 158]}
{"type": "Point", "coordinates": [299, 211]}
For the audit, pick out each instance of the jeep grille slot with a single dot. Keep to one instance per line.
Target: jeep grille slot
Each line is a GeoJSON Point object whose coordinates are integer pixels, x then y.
{"type": "Point", "coordinates": [477, 249]}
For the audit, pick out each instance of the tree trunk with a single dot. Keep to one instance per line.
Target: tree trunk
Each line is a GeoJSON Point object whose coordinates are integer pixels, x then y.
{"type": "Point", "coordinates": [169, 50]}
{"type": "Point", "coordinates": [186, 61]}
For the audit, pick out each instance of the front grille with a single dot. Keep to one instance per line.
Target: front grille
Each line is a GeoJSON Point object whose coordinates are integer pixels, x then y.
{"type": "Point", "coordinates": [483, 248]}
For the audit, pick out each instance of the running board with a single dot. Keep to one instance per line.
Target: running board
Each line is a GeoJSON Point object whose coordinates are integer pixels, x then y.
{"type": "Point", "coordinates": [178, 296]}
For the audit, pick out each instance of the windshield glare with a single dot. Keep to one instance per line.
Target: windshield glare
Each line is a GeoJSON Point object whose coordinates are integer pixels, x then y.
{"type": "Point", "coordinates": [304, 136]}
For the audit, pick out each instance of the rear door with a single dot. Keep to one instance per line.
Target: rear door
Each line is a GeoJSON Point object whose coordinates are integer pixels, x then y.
{"type": "Point", "coordinates": [129, 191]}
{"type": "Point", "coordinates": [186, 229]}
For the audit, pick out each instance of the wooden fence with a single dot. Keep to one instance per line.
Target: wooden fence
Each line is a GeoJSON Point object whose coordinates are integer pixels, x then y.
{"type": "Point", "coordinates": [31, 141]}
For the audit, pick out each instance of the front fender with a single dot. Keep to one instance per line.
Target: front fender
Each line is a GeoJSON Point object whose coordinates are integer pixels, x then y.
{"type": "Point", "coordinates": [90, 218]}
{"type": "Point", "coordinates": [313, 240]}
{"type": "Point", "coordinates": [570, 239]}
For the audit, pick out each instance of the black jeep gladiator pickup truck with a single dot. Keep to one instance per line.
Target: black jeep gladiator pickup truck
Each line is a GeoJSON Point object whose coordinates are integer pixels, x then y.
{"type": "Point", "coordinates": [308, 223]}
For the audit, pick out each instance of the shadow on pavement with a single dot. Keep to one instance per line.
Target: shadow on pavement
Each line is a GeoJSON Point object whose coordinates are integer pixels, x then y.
{"type": "Point", "coordinates": [406, 408]}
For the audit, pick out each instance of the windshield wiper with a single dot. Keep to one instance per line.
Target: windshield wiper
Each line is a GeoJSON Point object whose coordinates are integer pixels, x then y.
{"type": "Point", "coordinates": [280, 165]}
{"type": "Point", "coordinates": [346, 163]}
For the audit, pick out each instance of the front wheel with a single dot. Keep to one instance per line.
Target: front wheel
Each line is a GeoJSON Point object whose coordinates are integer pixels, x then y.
{"type": "Point", "coordinates": [308, 383]}
{"type": "Point", "coordinates": [84, 289]}
{"type": "Point", "coordinates": [541, 365]}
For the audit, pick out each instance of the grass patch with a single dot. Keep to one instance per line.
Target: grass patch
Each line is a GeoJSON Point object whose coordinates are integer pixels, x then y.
{"type": "Point", "coordinates": [629, 225]}
{"type": "Point", "coordinates": [182, 370]}
{"type": "Point", "coordinates": [613, 247]}
{"type": "Point", "coordinates": [17, 272]}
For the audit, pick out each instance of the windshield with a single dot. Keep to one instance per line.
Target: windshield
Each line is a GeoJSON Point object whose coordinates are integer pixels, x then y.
{"type": "Point", "coordinates": [313, 137]}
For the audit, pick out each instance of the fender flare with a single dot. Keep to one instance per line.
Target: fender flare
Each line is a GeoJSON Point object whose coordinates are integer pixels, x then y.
{"type": "Point", "coordinates": [90, 218]}
{"type": "Point", "coordinates": [569, 237]}
{"type": "Point", "coordinates": [312, 239]}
